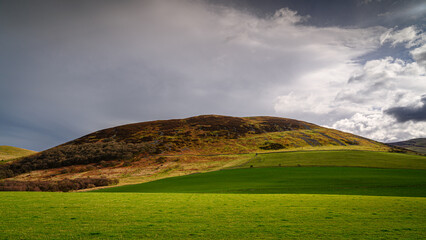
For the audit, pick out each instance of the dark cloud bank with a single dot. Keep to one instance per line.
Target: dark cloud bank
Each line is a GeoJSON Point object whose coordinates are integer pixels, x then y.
{"type": "Point", "coordinates": [404, 114]}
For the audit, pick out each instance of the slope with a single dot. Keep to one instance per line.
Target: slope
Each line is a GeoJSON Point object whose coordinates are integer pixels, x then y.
{"type": "Point", "coordinates": [9, 152]}
{"type": "Point", "coordinates": [294, 180]}
{"type": "Point", "coordinates": [341, 172]}
{"type": "Point", "coordinates": [417, 145]}
{"type": "Point", "coordinates": [337, 159]}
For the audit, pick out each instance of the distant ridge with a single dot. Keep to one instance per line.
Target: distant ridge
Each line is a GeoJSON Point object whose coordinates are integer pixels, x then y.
{"type": "Point", "coordinates": [417, 145]}
{"type": "Point", "coordinates": [9, 152]}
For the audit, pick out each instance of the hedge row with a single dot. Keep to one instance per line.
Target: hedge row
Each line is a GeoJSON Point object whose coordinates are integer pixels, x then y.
{"type": "Point", "coordinates": [64, 185]}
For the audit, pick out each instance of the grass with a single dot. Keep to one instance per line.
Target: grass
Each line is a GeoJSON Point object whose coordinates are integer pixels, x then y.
{"type": "Point", "coordinates": [194, 206]}
{"type": "Point", "coordinates": [300, 180]}
{"type": "Point", "coordinates": [8, 153]}
{"type": "Point", "coordinates": [339, 158]}
{"type": "Point", "coordinates": [189, 164]}
{"type": "Point", "coordinates": [32, 215]}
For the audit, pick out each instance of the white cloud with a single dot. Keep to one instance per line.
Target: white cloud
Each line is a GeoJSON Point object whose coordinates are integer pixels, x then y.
{"type": "Point", "coordinates": [381, 85]}
{"type": "Point", "coordinates": [359, 104]}
{"type": "Point", "coordinates": [379, 126]}
{"type": "Point", "coordinates": [288, 15]}
{"type": "Point", "coordinates": [411, 36]}
{"type": "Point", "coordinates": [419, 55]}
{"type": "Point", "coordinates": [356, 98]}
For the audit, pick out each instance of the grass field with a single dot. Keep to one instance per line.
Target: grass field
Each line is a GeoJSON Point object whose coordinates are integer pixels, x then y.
{"type": "Point", "coordinates": [8, 153]}
{"type": "Point", "coordinates": [196, 207]}
{"type": "Point", "coordinates": [301, 180]}
{"type": "Point", "coordinates": [32, 215]}
{"type": "Point", "coordinates": [339, 158]}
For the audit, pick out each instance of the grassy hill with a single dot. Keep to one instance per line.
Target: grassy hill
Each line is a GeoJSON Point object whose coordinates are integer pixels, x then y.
{"type": "Point", "coordinates": [337, 159]}
{"type": "Point", "coordinates": [417, 145]}
{"type": "Point", "coordinates": [8, 153]}
{"type": "Point", "coordinates": [149, 150]}
{"type": "Point", "coordinates": [324, 172]}
{"type": "Point", "coordinates": [295, 180]}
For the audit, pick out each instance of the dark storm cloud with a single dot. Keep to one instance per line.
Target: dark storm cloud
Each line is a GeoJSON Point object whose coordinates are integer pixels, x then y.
{"type": "Point", "coordinates": [71, 67]}
{"type": "Point", "coordinates": [404, 114]}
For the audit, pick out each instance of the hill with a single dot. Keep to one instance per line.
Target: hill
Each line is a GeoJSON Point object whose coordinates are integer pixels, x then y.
{"type": "Point", "coordinates": [8, 153]}
{"type": "Point", "coordinates": [150, 150]}
{"type": "Point", "coordinates": [417, 145]}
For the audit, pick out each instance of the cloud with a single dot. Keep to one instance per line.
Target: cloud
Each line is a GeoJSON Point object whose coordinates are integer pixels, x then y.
{"type": "Point", "coordinates": [288, 15]}
{"type": "Point", "coordinates": [411, 36]}
{"type": "Point", "coordinates": [410, 113]}
{"type": "Point", "coordinates": [386, 97]}
{"type": "Point", "coordinates": [138, 61]}
{"type": "Point", "coordinates": [377, 97]}
{"type": "Point", "coordinates": [419, 55]}
{"type": "Point", "coordinates": [72, 67]}
{"type": "Point", "coordinates": [379, 126]}
{"type": "Point", "coordinates": [403, 12]}
{"type": "Point", "coordinates": [372, 102]}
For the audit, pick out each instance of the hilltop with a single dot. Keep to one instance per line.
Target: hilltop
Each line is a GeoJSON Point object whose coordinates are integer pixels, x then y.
{"type": "Point", "coordinates": [417, 145]}
{"type": "Point", "coordinates": [9, 152]}
{"type": "Point", "coordinates": [214, 134]}
{"type": "Point", "coordinates": [148, 150]}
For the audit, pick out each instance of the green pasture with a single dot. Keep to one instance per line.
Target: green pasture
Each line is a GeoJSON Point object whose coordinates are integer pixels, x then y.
{"type": "Point", "coordinates": [34, 215]}
{"type": "Point", "coordinates": [338, 158]}
{"type": "Point", "coordinates": [300, 180]}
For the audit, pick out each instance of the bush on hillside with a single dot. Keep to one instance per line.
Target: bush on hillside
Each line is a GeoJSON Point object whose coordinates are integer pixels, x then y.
{"type": "Point", "coordinates": [65, 185]}
{"type": "Point", "coordinates": [272, 146]}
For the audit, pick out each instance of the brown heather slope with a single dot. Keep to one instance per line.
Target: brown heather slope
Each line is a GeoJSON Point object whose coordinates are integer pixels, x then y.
{"type": "Point", "coordinates": [149, 150]}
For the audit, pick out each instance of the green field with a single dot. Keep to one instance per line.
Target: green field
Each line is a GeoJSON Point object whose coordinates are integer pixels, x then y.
{"type": "Point", "coordinates": [302, 180]}
{"type": "Point", "coordinates": [31, 215]}
{"type": "Point", "coordinates": [339, 158]}
{"type": "Point", "coordinates": [327, 202]}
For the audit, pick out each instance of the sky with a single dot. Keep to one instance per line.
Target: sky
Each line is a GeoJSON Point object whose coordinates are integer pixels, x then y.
{"type": "Point", "coordinates": [68, 68]}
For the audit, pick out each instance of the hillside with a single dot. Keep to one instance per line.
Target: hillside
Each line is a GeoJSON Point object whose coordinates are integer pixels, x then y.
{"type": "Point", "coordinates": [365, 159]}
{"type": "Point", "coordinates": [417, 145]}
{"type": "Point", "coordinates": [307, 172]}
{"type": "Point", "coordinates": [8, 152]}
{"type": "Point", "coordinates": [150, 150]}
